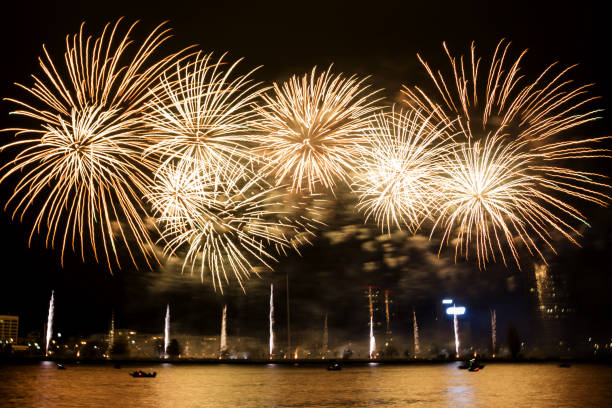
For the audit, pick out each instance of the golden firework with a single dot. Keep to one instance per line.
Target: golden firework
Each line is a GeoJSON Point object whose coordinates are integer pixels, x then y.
{"type": "Point", "coordinates": [226, 222]}
{"type": "Point", "coordinates": [311, 128]}
{"type": "Point", "coordinates": [399, 169]}
{"type": "Point", "coordinates": [79, 164]}
{"type": "Point", "coordinates": [506, 176]}
{"type": "Point", "coordinates": [199, 114]}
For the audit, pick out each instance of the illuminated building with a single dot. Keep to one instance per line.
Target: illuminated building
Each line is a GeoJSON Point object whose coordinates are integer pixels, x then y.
{"type": "Point", "coordinates": [9, 327]}
{"type": "Point", "coordinates": [554, 309]}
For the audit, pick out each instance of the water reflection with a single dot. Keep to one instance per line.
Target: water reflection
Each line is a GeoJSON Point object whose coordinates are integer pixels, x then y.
{"type": "Point", "coordinates": [499, 385]}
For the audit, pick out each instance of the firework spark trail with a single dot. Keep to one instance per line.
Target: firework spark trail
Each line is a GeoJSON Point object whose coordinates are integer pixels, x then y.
{"type": "Point", "coordinates": [80, 164]}
{"type": "Point", "coordinates": [398, 174]}
{"type": "Point", "coordinates": [167, 331]}
{"type": "Point", "coordinates": [111, 335]}
{"type": "Point", "coordinates": [506, 173]}
{"type": "Point", "coordinates": [415, 327]}
{"type": "Point", "coordinates": [372, 339]}
{"type": "Point", "coordinates": [372, 350]}
{"type": "Point", "coordinates": [542, 282]}
{"type": "Point", "coordinates": [223, 344]}
{"type": "Point", "coordinates": [198, 115]}
{"type": "Point", "coordinates": [387, 315]}
{"type": "Point", "coordinates": [50, 322]}
{"type": "Point", "coordinates": [271, 342]}
{"type": "Point", "coordinates": [325, 337]}
{"type": "Point", "coordinates": [227, 221]}
{"type": "Point", "coordinates": [456, 330]}
{"type": "Point", "coordinates": [493, 331]}
{"type": "Point", "coordinates": [311, 128]}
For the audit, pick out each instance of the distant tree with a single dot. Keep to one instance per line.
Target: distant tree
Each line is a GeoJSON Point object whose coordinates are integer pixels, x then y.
{"type": "Point", "coordinates": [514, 341]}
{"type": "Point", "coordinates": [173, 348]}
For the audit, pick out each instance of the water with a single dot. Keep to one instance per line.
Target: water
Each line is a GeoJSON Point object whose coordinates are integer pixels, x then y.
{"type": "Point", "coordinates": [498, 385]}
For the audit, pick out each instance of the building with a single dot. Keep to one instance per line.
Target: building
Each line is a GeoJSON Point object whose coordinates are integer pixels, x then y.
{"type": "Point", "coordinates": [9, 327]}
{"type": "Point", "coordinates": [554, 310]}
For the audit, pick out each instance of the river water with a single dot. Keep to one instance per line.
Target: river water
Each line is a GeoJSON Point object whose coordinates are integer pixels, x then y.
{"type": "Point", "coordinates": [496, 386]}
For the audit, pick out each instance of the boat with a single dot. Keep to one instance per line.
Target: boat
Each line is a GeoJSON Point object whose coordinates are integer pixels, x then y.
{"type": "Point", "coordinates": [565, 365]}
{"type": "Point", "coordinates": [471, 365]}
{"type": "Point", "coordinates": [334, 366]}
{"type": "Point", "coordinates": [60, 366]}
{"type": "Point", "coordinates": [142, 374]}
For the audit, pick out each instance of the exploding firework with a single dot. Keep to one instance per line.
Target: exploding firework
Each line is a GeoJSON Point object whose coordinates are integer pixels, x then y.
{"type": "Point", "coordinates": [228, 221]}
{"type": "Point", "coordinates": [505, 177]}
{"type": "Point", "coordinates": [399, 168]}
{"type": "Point", "coordinates": [198, 115]}
{"type": "Point", "coordinates": [311, 128]}
{"type": "Point", "coordinates": [80, 163]}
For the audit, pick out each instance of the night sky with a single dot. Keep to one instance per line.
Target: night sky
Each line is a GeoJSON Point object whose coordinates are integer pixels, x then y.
{"type": "Point", "coordinates": [376, 38]}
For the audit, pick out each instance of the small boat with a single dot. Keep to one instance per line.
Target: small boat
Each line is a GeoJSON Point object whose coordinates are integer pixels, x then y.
{"type": "Point", "coordinates": [565, 365]}
{"type": "Point", "coordinates": [60, 366]}
{"type": "Point", "coordinates": [334, 366]}
{"type": "Point", "coordinates": [142, 374]}
{"type": "Point", "coordinates": [471, 365]}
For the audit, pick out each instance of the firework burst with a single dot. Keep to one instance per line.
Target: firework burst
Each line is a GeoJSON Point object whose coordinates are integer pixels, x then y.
{"type": "Point", "coordinates": [228, 222]}
{"type": "Point", "coordinates": [399, 169]}
{"type": "Point", "coordinates": [505, 180]}
{"type": "Point", "coordinates": [79, 165]}
{"type": "Point", "coordinates": [310, 128]}
{"type": "Point", "coordinates": [198, 115]}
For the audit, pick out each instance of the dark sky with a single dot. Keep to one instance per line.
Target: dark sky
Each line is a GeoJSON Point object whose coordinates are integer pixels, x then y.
{"type": "Point", "coordinates": [375, 38]}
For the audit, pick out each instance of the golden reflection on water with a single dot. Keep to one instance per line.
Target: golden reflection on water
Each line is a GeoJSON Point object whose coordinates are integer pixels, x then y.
{"type": "Point", "coordinates": [498, 386]}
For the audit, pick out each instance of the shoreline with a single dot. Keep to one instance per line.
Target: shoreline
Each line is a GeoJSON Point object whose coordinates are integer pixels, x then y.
{"type": "Point", "coordinates": [292, 362]}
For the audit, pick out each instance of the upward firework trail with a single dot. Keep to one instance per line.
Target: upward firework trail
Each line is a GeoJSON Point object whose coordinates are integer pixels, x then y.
{"type": "Point", "coordinates": [506, 175]}
{"type": "Point", "coordinates": [111, 335]}
{"type": "Point", "coordinates": [80, 165]}
{"type": "Point", "coordinates": [271, 320]}
{"type": "Point", "coordinates": [167, 331]}
{"type": "Point", "coordinates": [223, 345]}
{"type": "Point", "coordinates": [387, 317]}
{"type": "Point", "coordinates": [372, 338]}
{"type": "Point", "coordinates": [50, 322]}
{"type": "Point", "coordinates": [325, 337]}
{"type": "Point", "coordinates": [415, 326]}
{"type": "Point", "coordinates": [456, 329]}
{"type": "Point", "coordinates": [493, 331]}
{"type": "Point", "coordinates": [311, 128]}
